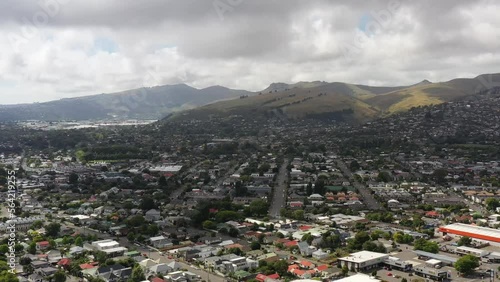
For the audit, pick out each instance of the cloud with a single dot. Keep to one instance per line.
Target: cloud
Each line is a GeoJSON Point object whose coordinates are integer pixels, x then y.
{"type": "Point", "coordinates": [62, 48]}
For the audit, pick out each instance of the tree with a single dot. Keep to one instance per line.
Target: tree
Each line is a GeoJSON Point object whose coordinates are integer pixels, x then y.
{"type": "Point", "coordinates": [492, 203]}
{"type": "Point", "coordinates": [24, 261]}
{"type": "Point", "coordinates": [309, 189]}
{"type": "Point", "coordinates": [439, 175]}
{"type": "Point", "coordinates": [467, 264]}
{"type": "Point", "coordinates": [28, 268]}
{"type": "Point", "coordinates": [255, 246]}
{"type": "Point", "coordinates": [147, 203]}
{"type": "Point", "coordinates": [79, 241]}
{"type": "Point", "coordinates": [53, 229]}
{"type": "Point", "coordinates": [357, 242]}
{"type": "Point", "coordinates": [384, 176]}
{"type": "Point", "coordinates": [73, 178]}
{"type": "Point", "coordinates": [464, 241]}
{"type": "Point", "coordinates": [59, 276]}
{"type": "Point", "coordinates": [319, 186]}
{"type": "Point", "coordinates": [426, 246]}
{"type": "Point", "coordinates": [345, 270]}
{"type": "Point", "coordinates": [131, 236]}
{"type": "Point", "coordinates": [298, 214]}
{"type": "Point", "coordinates": [281, 267]}
{"type": "Point", "coordinates": [354, 166]}
{"type": "Point", "coordinates": [208, 224]}
{"type": "Point", "coordinates": [32, 248]}
{"type": "Point", "coordinates": [162, 181]}
{"type": "Point", "coordinates": [7, 276]}
{"type": "Point", "coordinates": [137, 274]}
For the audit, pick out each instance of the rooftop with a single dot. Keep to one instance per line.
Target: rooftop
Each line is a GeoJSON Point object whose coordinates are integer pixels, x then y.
{"type": "Point", "coordinates": [364, 256]}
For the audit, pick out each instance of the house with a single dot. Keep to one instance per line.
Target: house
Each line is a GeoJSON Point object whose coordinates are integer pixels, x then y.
{"type": "Point", "coordinates": [42, 245]}
{"type": "Point", "coordinates": [161, 268]}
{"type": "Point", "coordinates": [46, 271]}
{"type": "Point", "coordinates": [320, 254]}
{"type": "Point", "coordinates": [35, 277]}
{"type": "Point", "coordinates": [315, 197]}
{"type": "Point", "coordinates": [160, 242]}
{"type": "Point", "coordinates": [152, 215]}
{"type": "Point", "coordinates": [304, 249]}
{"type": "Point", "coordinates": [36, 264]}
{"type": "Point", "coordinates": [64, 263]}
{"type": "Point", "coordinates": [261, 277]}
{"type": "Point", "coordinates": [307, 264]}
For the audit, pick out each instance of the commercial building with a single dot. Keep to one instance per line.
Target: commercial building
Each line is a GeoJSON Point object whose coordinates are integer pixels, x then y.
{"type": "Point", "coordinates": [358, 277]}
{"type": "Point", "coordinates": [397, 263]}
{"type": "Point", "coordinates": [463, 250]}
{"type": "Point", "coordinates": [363, 260]}
{"type": "Point", "coordinates": [445, 260]}
{"type": "Point", "coordinates": [432, 273]}
{"type": "Point", "coordinates": [472, 231]}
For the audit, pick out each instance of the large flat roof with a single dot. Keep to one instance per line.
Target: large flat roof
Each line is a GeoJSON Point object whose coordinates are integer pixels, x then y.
{"type": "Point", "coordinates": [358, 277]}
{"type": "Point", "coordinates": [363, 256]}
{"type": "Point", "coordinates": [478, 232]}
{"type": "Point", "coordinates": [445, 259]}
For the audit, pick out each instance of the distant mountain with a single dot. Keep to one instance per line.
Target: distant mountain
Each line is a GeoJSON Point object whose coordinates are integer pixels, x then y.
{"type": "Point", "coordinates": [341, 101]}
{"type": "Point", "coordinates": [144, 103]}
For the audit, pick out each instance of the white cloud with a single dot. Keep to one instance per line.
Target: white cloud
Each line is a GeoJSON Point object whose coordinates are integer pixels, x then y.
{"type": "Point", "coordinates": [95, 47]}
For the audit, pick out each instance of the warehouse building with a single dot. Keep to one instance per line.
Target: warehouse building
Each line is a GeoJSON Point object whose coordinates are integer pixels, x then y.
{"type": "Point", "coordinates": [476, 232]}
{"type": "Point", "coordinates": [363, 260]}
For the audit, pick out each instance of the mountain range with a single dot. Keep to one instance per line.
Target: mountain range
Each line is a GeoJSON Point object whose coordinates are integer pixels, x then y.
{"type": "Point", "coordinates": [317, 99]}
{"type": "Point", "coordinates": [143, 103]}
{"type": "Point", "coordinates": [342, 101]}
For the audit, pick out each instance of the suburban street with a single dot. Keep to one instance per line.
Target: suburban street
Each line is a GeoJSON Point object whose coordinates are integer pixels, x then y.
{"type": "Point", "coordinates": [279, 195]}
{"type": "Point", "coordinates": [366, 194]}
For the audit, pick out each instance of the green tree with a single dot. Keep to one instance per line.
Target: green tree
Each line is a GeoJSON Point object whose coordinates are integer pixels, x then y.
{"type": "Point", "coordinates": [131, 236]}
{"type": "Point", "coordinates": [162, 181]}
{"type": "Point", "coordinates": [59, 276]}
{"type": "Point", "coordinates": [298, 214]}
{"type": "Point", "coordinates": [384, 176]}
{"type": "Point", "coordinates": [255, 246]}
{"type": "Point", "coordinates": [79, 241]}
{"type": "Point", "coordinates": [345, 270]}
{"type": "Point", "coordinates": [137, 274]}
{"type": "Point", "coordinates": [147, 203]}
{"type": "Point", "coordinates": [354, 166]}
{"type": "Point", "coordinates": [73, 178]}
{"type": "Point", "coordinates": [464, 241]}
{"type": "Point", "coordinates": [7, 276]}
{"type": "Point", "coordinates": [32, 248]}
{"type": "Point", "coordinates": [309, 189]}
{"type": "Point", "coordinates": [208, 224]}
{"type": "Point", "coordinates": [53, 229]}
{"type": "Point", "coordinates": [28, 268]}
{"type": "Point", "coordinates": [426, 246]}
{"type": "Point", "coordinates": [492, 203]}
{"type": "Point", "coordinates": [467, 264]}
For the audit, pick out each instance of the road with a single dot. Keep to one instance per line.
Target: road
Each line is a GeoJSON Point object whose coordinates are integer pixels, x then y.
{"type": "Point", "coordinates": [368, 199]}
{"type": "Point", "coordinates": [279, 195]}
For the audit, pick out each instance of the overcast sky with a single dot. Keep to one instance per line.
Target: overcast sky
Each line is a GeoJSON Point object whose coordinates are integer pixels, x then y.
{"type": "Point", "coordinates": [52, 49]}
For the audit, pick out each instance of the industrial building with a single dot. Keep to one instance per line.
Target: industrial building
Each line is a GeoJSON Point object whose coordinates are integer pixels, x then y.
{"type": "Point", "coordinates": [472, 231]}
